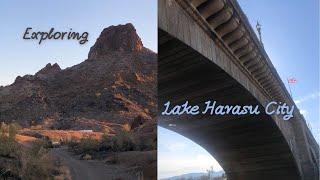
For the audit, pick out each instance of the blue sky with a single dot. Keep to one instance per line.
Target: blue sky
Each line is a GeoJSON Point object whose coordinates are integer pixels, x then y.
{"type": "Point", "coordinates": [290, 33]}
{"type": "Point", "coordinates": [20, 57]}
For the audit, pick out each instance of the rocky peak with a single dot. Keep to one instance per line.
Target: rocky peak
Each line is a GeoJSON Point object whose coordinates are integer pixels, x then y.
{"type": "Point", "coordinates": [49, 69]}
{"type": "Point", "coordinates": [116, 38]}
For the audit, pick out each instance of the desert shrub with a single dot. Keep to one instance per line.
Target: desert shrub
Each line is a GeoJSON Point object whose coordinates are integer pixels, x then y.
{"type": "Point", "coordinates": [36, 166]}
{"type": "Point", "coordinates": [86, 157]}
{"type": "Point", "coordinates": [127, 141]}
{"type": "Point", "coordinates": [38, 148]}
{"type": "Point", "coordinates": [35, 162]}
{"type": "Point", "coordinates": [145, 143]}
{"type": "Point", "coordinates": [47, 143]}
{"type": "Point", "coordinates": [3, 129]}
{"type": "Point", "coordinates": [72, 144]}
{"type": "Point", "coordinates": [126, 127]}
{"type": "Point", "coordinates": [8, 146]}
{"type": "Point", "coordinates": [107, 142]}
{"type": "Point", "coordinates": [23, 163]}
{"type": "Point", "coordinates": [106, 130]}
{"type": "Point", "coordinates": [12, 130]}
{"type": "Point", "coordinates": [29, 164]}
{"type": "Point", "coordinates": [88, 145]}
{"type": "Point", "coordinates": [122, 141]}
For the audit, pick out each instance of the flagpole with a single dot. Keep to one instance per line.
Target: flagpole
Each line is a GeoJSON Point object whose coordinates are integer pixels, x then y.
{"type": "Point", "coordinates": [289, 88]}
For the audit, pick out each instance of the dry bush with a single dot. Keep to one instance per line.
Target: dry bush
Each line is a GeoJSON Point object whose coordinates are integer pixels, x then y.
{"type": "Point", "coordinates": [122, 141]}
{"type": "Point", "coordinates": [88, 146]}
{"type": "Point", "coordinates": [20, 162]}
{"type": "Point", "coordinates": [127, 141]}
{"type": "Point", "coordinates": [64, 173]}
{"type": "Point", "coordinates": [8, 146]}
{"type": "Point", "coordinates": [140, 161]}
{"type": "Point", "coordinates": [72, 144]}
{"type": "Point", "coordinates": [145, 143]}
{"type": "Point", "coordinates": [36, 167]}
{"type": "Point", "coordinates": [126, 127]}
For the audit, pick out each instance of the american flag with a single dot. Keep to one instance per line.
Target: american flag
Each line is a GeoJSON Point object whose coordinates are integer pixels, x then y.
{"type": "Point", "coordinates": [292, 80]}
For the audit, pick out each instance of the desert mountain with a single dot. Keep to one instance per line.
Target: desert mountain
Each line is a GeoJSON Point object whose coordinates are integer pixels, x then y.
{"type": "Point", "coordinates": [116, 84]}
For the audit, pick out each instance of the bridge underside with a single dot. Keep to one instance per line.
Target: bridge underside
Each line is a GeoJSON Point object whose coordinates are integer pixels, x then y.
{"type": "Point", "coordinates": [247, 147]}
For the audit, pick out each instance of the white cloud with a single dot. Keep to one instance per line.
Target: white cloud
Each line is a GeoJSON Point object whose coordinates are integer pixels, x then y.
{"type": "Point", "coordinates": [303, 112]}
{"type": "Point", "coordinates": [176, 146]}
{"type": "Point", "coordinates": [307, 97]}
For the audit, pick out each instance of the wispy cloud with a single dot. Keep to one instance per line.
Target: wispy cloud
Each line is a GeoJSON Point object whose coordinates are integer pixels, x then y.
{"type": "Point", "coordinates": [307, 98]}
{"type": "Point", "coordinates": [176, 146]}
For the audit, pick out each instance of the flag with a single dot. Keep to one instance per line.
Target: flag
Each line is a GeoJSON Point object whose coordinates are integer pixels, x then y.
{"type": "Point", "coordinates": [292, 80]}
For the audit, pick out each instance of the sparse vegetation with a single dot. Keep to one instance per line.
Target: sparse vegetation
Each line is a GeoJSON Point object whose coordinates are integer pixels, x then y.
{"type": "Point", "coordinates": [18, 162]}
{"type": "Point", "coordinates": [145, 143]}
{"type": "Point", "coordinates": [124, 140]}
{"type": "Point", "coordinates": [88, 145]}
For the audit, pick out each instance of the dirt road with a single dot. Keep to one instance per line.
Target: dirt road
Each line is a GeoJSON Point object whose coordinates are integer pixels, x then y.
{"type": "Point", "coordinates": [90, 170]}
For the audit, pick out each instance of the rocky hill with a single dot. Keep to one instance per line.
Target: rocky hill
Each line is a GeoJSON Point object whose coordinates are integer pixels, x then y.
{"type": "Point", "coordinates": [116, 84]}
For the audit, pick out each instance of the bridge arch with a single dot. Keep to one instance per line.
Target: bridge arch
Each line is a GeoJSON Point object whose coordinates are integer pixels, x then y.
{"type": "Point", "coordinates": [247, 147]}
{"type": "Point", "coordinates": [195, 62]}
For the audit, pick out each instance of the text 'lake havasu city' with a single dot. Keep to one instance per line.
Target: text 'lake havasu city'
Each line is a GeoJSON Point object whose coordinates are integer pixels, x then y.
{"type": "Point", "coordinates": [212, 108]}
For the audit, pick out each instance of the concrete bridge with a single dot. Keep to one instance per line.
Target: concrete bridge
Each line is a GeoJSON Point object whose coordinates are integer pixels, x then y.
{"type": "Point", "coordinates": [207, 49]}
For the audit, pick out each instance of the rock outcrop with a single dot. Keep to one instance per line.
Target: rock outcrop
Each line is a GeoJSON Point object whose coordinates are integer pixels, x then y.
{"type": "Point", "coordinates": [49, 69]}
{"type": "Point", "coordinates": [116, 38]}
